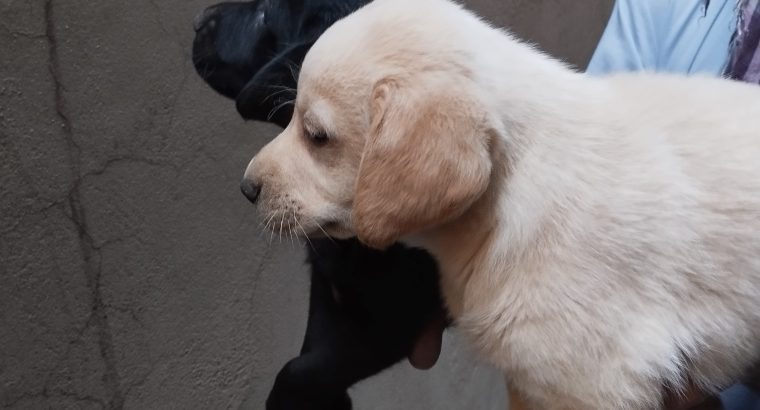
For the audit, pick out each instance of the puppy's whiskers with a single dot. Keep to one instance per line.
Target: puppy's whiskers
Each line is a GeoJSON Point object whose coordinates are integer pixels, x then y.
{"type": "Point", "coordinates": [290, 234]}
{"type": "Point", "coordinates": [271, 235]}
{"type": "Point", "coordinates": [269, 219]}
{"type": "Point", "coordinates": [264, 223]}
{"type": "Point", "coordinates": [323, 231]}
{"type": "Point", "coordinates": [294, 69]}
{"type": "Point", "coordinates": [292, 226]}
{"type": "Point", "coordinates": [278, 107]}
{"type": "Point", "coordinates": [283, 89]}
{"type": "Point", "coordinates": [208, 70]}
{"type": "Point", "coordinates": [298, 224]}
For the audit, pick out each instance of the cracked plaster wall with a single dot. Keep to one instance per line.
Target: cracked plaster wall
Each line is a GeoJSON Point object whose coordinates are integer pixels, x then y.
{"type": "Point", "coordinates": [132, 272]}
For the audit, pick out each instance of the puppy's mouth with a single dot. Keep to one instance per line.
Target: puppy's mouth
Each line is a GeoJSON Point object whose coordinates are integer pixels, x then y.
{"type": "Point", "coordinates": [291, 226]}
{"type": "Point", "coordinates": [328, 229]}
{"type": "Point", "coordinates": [335, 229]}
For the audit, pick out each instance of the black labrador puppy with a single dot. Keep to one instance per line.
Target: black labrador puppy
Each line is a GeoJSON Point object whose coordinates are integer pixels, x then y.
{"type": "Point", "coordinates": [368, 309]}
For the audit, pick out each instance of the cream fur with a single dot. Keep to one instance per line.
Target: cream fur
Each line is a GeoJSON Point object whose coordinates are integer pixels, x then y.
{"type": "Point", "coordinates": [616, 246]}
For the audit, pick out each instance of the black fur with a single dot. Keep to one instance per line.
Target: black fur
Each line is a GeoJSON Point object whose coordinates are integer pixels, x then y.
{"type": "Point", "coordinates": [385, 298]}
{"type": "Point", "coordinates": [251, 52]}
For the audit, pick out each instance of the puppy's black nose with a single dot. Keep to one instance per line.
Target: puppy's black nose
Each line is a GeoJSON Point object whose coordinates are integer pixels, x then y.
{"type": "Point", "coordinates": [202, 18]}
{"type": "Point", "coordinates": [250, 190]}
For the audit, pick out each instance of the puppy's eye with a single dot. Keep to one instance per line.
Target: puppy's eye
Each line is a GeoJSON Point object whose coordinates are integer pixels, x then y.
{"type": "Point", "coordinates": [318, 138]}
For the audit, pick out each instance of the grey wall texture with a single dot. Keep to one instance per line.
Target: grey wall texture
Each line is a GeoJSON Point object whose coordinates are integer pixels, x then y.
{"type": "Point", "coordinates": [132, 272]}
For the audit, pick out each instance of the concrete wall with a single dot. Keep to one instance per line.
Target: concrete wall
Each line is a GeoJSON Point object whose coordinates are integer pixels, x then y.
{"type": "Point", "coordinates": [132, 272]}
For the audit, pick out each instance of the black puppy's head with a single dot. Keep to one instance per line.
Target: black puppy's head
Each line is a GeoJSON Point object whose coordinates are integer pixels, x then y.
{"type": "Point", "coordinates": [251, 51]}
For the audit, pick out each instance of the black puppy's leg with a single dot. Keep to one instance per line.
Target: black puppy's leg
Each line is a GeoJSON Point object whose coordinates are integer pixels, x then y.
{"type": "Point", "coordinates": [319, 379]}
{"type": "Point", "coordinates": [306, 383]}
{"type": "Point", "coordinates": [322, 306]}
{"type": "Point", "coordinates": [295, 387]}
{"type": "Point", "coordinates": [384, 300]}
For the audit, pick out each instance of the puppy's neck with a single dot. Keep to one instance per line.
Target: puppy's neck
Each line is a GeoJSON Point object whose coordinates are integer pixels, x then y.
{"type": "Point", "coordinates": [537, 102]}
{"type": "Point", "coordinates": [456, 244]}
{"type": "Point", "coordinates": [532, 176]}
{"type": "Point", "coordinates": [460, 245]}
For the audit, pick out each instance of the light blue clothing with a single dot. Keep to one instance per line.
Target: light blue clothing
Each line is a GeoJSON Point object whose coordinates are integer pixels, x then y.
{"type": "Point", "coordinates": [740, 397]}
{"type": "Point", "coordinates": [666, 36]}
{"type": "Point", "coordinates": [678, 36]}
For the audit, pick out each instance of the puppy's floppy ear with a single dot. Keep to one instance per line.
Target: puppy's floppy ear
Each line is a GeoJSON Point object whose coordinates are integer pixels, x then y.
{"type": "Point", "coordinates": [426, 158]}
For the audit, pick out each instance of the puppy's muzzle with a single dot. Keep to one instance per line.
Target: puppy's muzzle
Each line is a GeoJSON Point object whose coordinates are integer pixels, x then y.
{"type": "Point", "coordinates": [250, 189]}
{"type": "Point", "coordinates": [202, 19]}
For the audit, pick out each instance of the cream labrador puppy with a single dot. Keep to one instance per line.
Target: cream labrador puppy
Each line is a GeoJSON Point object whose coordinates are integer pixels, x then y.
{"type": "Point", "coordinates": [598, 239]}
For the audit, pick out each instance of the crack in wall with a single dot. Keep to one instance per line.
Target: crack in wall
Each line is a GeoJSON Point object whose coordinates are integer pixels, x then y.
{"type": "Point", "coordinates": [47, 395]}
{"type": "Point", "coordinates": [19, 217]}
{"type": "Point", "coordinates": [90, 255]}
{"type": "Point", "coordinates": [19, 33]}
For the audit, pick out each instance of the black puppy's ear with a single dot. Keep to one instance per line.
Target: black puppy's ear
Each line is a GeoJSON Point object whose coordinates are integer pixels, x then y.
{"type": "Point", "coordinates": [270, 94]}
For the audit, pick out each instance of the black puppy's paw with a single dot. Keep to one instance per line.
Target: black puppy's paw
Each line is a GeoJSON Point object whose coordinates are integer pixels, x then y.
{"type": "Point", "coordinates": [343, 402]}
{"type": "Point", "coordinates": [292, 400]}
{"type": "Point", "coordinates": [295, 388]}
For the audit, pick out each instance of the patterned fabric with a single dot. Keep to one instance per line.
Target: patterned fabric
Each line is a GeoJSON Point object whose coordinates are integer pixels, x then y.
{"type": "Point", "coordinates": [744, 63]}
